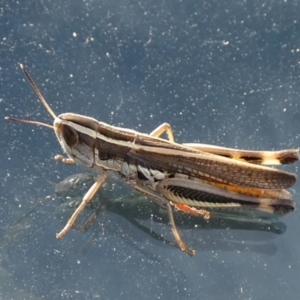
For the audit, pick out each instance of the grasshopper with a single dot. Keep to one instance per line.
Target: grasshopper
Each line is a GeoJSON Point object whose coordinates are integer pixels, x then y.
{"type": "Point", "coordinates": [192, 178]}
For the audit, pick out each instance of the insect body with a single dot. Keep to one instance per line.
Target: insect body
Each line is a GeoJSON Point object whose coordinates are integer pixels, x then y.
{"type": "Point", "coordinates": [193, 178]}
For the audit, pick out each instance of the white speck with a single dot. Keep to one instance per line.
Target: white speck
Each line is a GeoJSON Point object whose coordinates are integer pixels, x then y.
{"type": "Point", "coordinates": [74, 34]}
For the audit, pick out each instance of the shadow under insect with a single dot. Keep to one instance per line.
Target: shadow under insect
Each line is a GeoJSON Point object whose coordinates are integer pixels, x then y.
{"type": "Point", "coordinates": [229, 230]}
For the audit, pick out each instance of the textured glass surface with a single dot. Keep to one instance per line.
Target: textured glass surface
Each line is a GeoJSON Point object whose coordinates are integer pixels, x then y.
{"type": "Point", "coordinates": [220, 72]}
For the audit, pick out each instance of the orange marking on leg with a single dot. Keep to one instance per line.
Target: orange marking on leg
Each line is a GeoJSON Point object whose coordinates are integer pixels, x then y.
{"type": "Point", "coordinates": [192, 210]}
{"type": "Point", "coordinates": [254, 192]}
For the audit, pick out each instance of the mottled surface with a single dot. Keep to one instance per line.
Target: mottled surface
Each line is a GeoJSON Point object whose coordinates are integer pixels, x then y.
{"type": "Point", "coordinates": [220, 72]}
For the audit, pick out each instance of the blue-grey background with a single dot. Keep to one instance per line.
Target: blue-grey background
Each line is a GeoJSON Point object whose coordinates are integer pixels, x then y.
{"type": "Point", "coordinates": [220, 72]}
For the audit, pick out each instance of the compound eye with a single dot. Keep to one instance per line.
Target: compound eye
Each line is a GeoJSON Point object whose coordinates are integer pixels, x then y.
{"type": "Point", "coordinates": [70, 135]}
